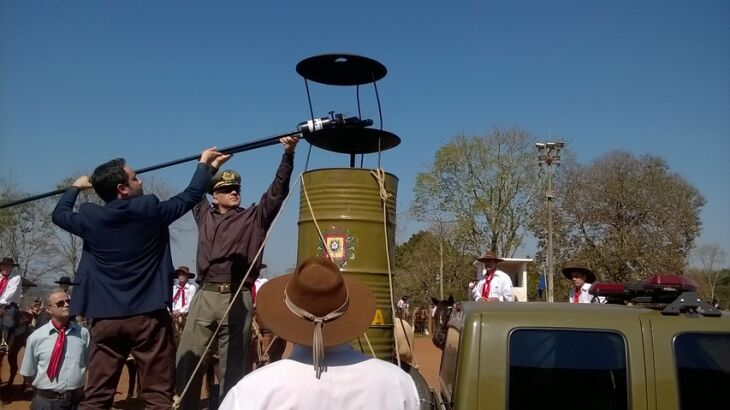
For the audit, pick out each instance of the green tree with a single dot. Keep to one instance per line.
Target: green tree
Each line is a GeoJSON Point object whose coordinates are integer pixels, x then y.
{"type": "Point", "coordinates": [486, 185]}
{"type": "Point", "coordinates": [623, 216]}
{"type": "Point", "coordinates": [417, 266]}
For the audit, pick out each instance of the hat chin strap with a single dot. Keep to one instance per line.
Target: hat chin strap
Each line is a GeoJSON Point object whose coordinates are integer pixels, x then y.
{"type": "Point", "coordinates": [317, 339]}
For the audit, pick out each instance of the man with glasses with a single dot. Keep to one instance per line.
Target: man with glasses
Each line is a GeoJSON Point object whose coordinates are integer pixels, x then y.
{"type": "Point", "coordinates": [56, 355]}
{"type": "Point", "coordinates": [124, 276]}
{"type": "Point", "coordinates": [228, 238]}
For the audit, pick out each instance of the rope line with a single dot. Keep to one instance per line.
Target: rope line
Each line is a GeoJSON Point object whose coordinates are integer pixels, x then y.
{"type": "Point", "coordinates": [177, 399]}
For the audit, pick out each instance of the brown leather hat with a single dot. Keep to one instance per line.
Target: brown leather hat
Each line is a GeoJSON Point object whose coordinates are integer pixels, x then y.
{"type": "Point", "coordinates": [490, 255]}
{"type": "Point", "coordinates": [590, 276]}
{"type": "Point", "coordinates": [8, 261]}
{"type": "Point", "coordinates": [317, 288]}
{"type": "Point", "coordinates": [185, 270]}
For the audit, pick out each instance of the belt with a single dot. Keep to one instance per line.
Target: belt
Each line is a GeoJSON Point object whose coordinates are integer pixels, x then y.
{"type": "Point", "coordinates": [221, 287]}
{"type": "Point", "coordinates": [55, 395]}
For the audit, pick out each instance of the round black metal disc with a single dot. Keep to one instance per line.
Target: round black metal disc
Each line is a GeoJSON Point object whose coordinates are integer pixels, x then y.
{"type": "Point", "coordinates": [352, 140]}
{"type": "Point", "coordinates": [341, 69]}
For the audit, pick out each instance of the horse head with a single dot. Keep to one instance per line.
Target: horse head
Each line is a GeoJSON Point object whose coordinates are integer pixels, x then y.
{"type": "Point", "coordinates": [440, 316]}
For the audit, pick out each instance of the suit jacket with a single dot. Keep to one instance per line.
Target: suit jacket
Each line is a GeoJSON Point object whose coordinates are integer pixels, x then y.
{"type": "Point", "coordinates": [126, 267]}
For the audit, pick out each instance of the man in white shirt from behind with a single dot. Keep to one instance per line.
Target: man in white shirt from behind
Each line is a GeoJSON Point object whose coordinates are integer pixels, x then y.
{"type": "Point", "coordinates": [321, 312]}
{"type": "Point", "coordinates": [495, 285]}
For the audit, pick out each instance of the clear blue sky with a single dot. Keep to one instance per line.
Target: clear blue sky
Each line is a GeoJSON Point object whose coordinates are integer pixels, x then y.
{"type": "Point", "coordinates": [85, 81]}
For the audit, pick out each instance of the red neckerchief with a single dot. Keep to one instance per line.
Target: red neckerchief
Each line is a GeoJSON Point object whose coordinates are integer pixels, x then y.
{"type": "Point", "coordinates": [54, 366]}
{"type": "Point", "coordinates": [253, 292]}
{"type": "Point", "coordinates": [180, 291]}
{"type": "Point", "coordinates": [488, 283]}
{"type": "Point", "coordinates": [3, 283]}
{"type": "Point", "coordinates": [576, 295]}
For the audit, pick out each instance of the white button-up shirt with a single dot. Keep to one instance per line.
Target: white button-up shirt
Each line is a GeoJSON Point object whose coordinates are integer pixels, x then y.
{"type": "Point", "coordinates": [37, 357]}
{"type": "Point", "coordinates": [189, 291]}
{"type": "Point", "coordinates": [500, 287]}
{"type": "Point", "coordinates": [12, 290]}
{"type": "Point", "coordinates": [352, 381]}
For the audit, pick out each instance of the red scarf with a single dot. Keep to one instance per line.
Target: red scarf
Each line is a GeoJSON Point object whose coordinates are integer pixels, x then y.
{"type": "Point", "coordinates": [253, 292]}
{"type": "Point", "coordinates": [576, 295]}
{"type": "Point", "coordinates": [180, 292]}
{"type": "Point", "coordinates": [54, 366]}
{"type": "Point", "coordinates": [487, 283]}
{"type": "Point", "coordinates": [3, 283]}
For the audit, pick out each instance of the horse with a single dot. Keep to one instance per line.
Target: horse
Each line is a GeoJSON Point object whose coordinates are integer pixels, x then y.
{"type": "Point", "coordinates": [440, 316]}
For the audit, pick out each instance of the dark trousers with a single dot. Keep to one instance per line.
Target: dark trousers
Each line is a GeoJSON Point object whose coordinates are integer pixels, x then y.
{"type": "Point", "coordinates": [148, 337]}
{"type": "Point", "coordinates": [41, 402]}
{"type": "Point", "coordinates": [206, 311]}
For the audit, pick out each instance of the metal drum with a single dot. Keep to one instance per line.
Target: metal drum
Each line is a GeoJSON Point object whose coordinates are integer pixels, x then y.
{"type": "Point", "coordinates": [346, 204]}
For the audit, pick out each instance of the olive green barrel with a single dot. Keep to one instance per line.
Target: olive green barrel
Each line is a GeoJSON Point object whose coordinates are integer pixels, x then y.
{"type": "Point", "coordinates": [346, 204]}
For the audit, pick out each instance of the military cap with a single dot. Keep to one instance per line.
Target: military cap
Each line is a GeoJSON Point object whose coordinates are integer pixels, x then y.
{"type": "Point", "coordinates": [226, 178]}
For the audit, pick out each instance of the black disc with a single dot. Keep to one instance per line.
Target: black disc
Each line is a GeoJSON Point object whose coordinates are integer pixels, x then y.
{"type": "Point", "coordinates": [353, 140]}
{"type": "Point", "coordinates": [341, 69]}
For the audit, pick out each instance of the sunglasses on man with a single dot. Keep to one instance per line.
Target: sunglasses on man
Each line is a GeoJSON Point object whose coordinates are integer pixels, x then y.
{"type": "Point", "coordinates": [228, 190]}
{"type": "Point", "coordinates": [62, 303]}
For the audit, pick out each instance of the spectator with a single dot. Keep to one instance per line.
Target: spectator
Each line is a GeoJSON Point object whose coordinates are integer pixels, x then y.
{"type": "Point", "coordinates": [495, 285]}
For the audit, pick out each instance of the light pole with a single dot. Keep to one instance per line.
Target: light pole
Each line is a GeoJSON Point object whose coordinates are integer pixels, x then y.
{"type": "Point", "coordinates": [549, 154]}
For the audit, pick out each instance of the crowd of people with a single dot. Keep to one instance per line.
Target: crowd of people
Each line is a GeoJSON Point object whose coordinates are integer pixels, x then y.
{"type": "Point", "coordinates": [131, 298]}
{"type": "Point", "coordinates": [129, 301]}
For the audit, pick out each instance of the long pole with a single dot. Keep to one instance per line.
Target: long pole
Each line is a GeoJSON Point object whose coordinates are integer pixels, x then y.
{"type": "Point", "coordinates": [246, 146]}
{"type": "Point", "coordinates": [441, 266]}
{"type": "Point", "coordinates": [551, 277]}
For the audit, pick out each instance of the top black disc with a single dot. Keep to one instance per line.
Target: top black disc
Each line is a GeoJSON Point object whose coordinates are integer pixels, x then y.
{"type": "Point", "coordinates": [341, 69]}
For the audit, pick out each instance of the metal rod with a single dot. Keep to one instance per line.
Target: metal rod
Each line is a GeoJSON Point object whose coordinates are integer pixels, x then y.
{"type": "Point", "coordinates": [246, 146]}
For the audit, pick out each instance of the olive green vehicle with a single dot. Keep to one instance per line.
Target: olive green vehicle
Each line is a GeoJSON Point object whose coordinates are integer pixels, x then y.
{"type": "Point", "coordinates": [588, 356]}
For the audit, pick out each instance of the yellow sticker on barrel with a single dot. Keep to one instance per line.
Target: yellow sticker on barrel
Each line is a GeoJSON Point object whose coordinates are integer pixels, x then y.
{"type": "Point", "coordinates": [378, 318]}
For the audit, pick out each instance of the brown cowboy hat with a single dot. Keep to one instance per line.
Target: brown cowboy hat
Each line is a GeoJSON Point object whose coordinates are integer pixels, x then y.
{"type": "Point", "coordinates": [590, 276]}
{"type": "Point", "coordinates": [8, 261]}
{"type": "Point", "coordinates": [65, 280]}
{"type": "Point", "coordinates": [185, 270]}
{"type": "Point", "coordinates": [317, 287]}
{"type": "Point", "coordinates": [490, 255]}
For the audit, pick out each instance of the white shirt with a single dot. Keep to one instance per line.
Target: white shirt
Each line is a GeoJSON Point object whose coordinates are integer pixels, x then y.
{"type": "Point", "coordinates": [37, 357]}
{"type": "Point", "coordinates": [585, 296]}
{"type": "Point", "coordinates": [500, 287]}
{"type": "Point", "coordinates": [12, 290]}
{"type": "Point", "coordinates": [189, 292]}
{"type": "Point", "coordinates": [352, 381]}
{"type": "Point", "coordinates": [403, 305]}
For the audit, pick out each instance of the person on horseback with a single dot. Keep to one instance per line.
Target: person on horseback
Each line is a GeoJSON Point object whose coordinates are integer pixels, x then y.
{"type": "Point", "coordinates": [321, 313]}
{"type": "Point", "coordinates": [10, 292]}
{"type": "Point", "coordinates": [182, 296]}
{"type": "Point", "coordinates": [495, 285]}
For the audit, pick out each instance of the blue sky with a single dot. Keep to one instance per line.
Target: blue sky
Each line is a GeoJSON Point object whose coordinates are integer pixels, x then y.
{"type": "Point", "coordinates": [85, 81]}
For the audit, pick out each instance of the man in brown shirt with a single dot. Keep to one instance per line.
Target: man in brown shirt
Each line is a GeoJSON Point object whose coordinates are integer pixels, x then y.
{"type": "Point", "coordinates": [228, 238]}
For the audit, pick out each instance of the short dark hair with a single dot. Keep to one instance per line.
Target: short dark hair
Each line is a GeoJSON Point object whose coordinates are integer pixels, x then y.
{"type": "Point", "coordinates": [107, 176]}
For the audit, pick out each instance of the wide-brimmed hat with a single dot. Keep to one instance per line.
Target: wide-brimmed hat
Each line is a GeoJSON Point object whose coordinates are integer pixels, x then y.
{"type": "Point", "coordinates": [318, 288]}
{"type": "Point", "coordinates": [490, 255]}
{"type": "Point", "coordinates": [590, 276]}
{"type": "Point", "coordinates": [65, 280]}
{"type": "Point", "coordinates": [226, 178]}
{"type": "Point", "coordinates": [185, 270]}
{"type": "Point", "coordinates": [8, 261]}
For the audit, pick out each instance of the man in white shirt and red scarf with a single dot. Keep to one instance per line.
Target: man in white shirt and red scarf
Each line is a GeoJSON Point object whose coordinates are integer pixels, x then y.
{"type": "Point", "coordinates": [495, 286]}
{"type": "Point", "coordinates": [182, 295]}
{"type": "Point", "coordinates": [321, 313]}
{"type": "Point", "coordinates": [56, 355]}
{"type": "Point", "coordinates": [582, 278]}
{"type": "Point", "coordinates": [9, 298]}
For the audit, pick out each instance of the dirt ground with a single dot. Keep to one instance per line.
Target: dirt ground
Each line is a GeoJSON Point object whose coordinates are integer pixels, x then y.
{"type": "Point", "coordinates": [427, 359]}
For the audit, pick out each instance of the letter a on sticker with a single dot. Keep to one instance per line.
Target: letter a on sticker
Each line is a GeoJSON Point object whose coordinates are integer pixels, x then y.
{"type": "Point", "coordinates": [378, 318]}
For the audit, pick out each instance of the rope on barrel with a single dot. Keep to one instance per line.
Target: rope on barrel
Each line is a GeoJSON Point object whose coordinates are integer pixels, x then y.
{"type": "Point", "coordinates": [379, 176]}
{"type": "Point", "coordinates": [324, 245]}
{"type": "Point", "coordinates": [177, 399]}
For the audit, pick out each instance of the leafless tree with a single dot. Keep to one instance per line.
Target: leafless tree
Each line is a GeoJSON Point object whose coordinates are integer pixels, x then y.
{"type": "Point", "coordinates": [712, 259]}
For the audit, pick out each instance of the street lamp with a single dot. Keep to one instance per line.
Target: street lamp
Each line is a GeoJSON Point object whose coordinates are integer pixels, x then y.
{"type": "Point", "coordinates": [549, 154]}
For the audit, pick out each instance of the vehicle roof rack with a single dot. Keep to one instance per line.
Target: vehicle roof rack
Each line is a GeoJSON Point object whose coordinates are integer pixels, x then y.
{"type": "Point", "coordinates": [672, 294]}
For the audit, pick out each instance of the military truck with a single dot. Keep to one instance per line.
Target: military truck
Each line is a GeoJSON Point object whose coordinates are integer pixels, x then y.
{"type": "Point", "coordinates": [655, 346]}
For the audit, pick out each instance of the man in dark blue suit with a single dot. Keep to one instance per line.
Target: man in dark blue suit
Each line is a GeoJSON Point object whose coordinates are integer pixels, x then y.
{"type": "Point", "coordinates": [124, 276]}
